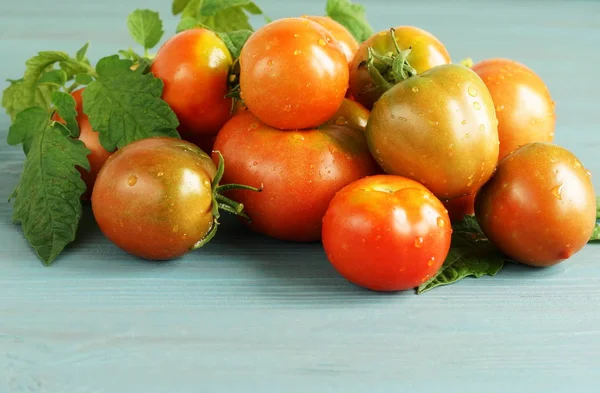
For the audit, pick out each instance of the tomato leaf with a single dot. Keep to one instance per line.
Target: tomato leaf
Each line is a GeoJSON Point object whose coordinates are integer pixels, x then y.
{"type": "Point", "coordinates": [27, 125]}
{"type": "Point", "coordinates": [596, 233]}
{"type": "Point", "coordinates": [179, 6]}
{"type": "Point", "coordinates": [216, 15]}
{"type": "Point", "coordinates": [235, 40]}
{"type": "Point", "coordinates": [83, 79]}
{"type": "Point", "coordinates": [187, 23]}
{"type": "Point", "coordinates": [124, 106]}
{"type": "Point", "coordinates": [54, 77]}
{"type": "Point", "coordinates": [66, 107]}
{"type": "Point", "coordinates": [598, 208]}
{"type": "Point", "coordinates": [80, 54]}
{"type": "Point", "coordinates": [146, 27]}
{"type": "Point", "coordinates": [471, 254]}
{"type": "Point", "coordinates": [47, 199]}
{"type": "Point", "coordinates": [351, 16]}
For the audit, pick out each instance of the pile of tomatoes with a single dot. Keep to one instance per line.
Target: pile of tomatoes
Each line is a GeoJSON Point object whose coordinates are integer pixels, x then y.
{"type": "Point", "coordinates": [374, 148]}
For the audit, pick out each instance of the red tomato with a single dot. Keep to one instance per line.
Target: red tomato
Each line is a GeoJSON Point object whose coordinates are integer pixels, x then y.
{"type": "Point", "coordinates": [460, 207]}
{"type": "Point", "coordinates": [524, 107]}
{"type": "Point", "coordinates": [293, 74]}
{"type": "Point", "coordinates": [154, 198]}
{"type": "Point", "coordinates": [98, 154]}
{"type": "Point", "coordinates": [340, 33]}
{"type": "Point", "coordinates": [300, 171]}
{"type": "Point", "coordinates": [386, 233]}
{"type": "Point", "coordinates": [194, 66]}
{"type": "Point", "coordinates": [426, 52]}
{"type": "Point", "coordinates": [539, 207]}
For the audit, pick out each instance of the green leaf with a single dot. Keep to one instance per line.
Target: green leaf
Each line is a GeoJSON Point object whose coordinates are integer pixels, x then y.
{"type": "Point", "coordinates": [54, 77]}
{"type": "Point", "coordinates": [80, 55]}
{"type": "Point", "coordinates": [192, 8]}
{"type": "Point", "coordinates": [213, 7]}
{"type": "Point", "coordinates": [47, 204]}
{"type": "Point", "coordinates": [351, 16]}
{"type": "Point", "coordinates": [596, 233]}
{"type": "Point", "coordinates": [83, 79]}
{"type": "Point", "coordinates": [179, 5]}
{"type": "Point", "coordinates": [187, 23]}
{"type": "Point", "coordinates": [471, 254]}
{"type": "Point", "coordinates": [27, 125]}
{"type": "Point", "coordinates": [66, 107]}
{"type": "Point", "coordinates": [124, 106]}
{"type": "Point", "coordinates": [235, 40]}
{"type": "Point", "coordinates": [145, 27]}
{"type": "Point", "coordinates": [228, 20]}
{"type": "Point", "coordinates": [598, 208]}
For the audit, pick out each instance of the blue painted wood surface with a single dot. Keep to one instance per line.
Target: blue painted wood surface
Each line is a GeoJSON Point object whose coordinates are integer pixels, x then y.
{"type": "Point", "coordinates": [251, 314]}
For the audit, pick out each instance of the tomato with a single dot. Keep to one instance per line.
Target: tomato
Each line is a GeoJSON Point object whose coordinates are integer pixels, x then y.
{"type": "Point", "coordinates": [98, 154]}
{"type": "Point", "coordinates": [299, 171]}
{"type": "Point", "coordinates": [460, 207]}
{"type": "Point", "coordinates": [524, 107]}
{"type": "Point", "coordinates": [539, 208]}
{"type": "Point", "coordinates": [426, 52]}
{"type": "Point", "coordinates": [438, 128]}
{"type": "Point", "coordinates": [194, 67]}
{"type": "Point", "coordinates": [386, 233]}
{"type": "Point", "coordinates": [340, 33]}
{"type": "Point", "coordinates": [293, 74]}
{"type": "Point", "coordinates": [154, 198]}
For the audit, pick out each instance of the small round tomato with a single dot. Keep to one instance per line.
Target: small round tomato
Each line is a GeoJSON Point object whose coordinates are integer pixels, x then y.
{"type": "Point", "coordinates": [293, 74]}
{"type": "Point", "coordinates": [155, 198]}
{"type": "Point", "coordinates": [386, 233]}
{"type": "Point", "coordinates": [539, 208]}
{"type": "Point", "coordinates": [426, 52]}
{"type": "Point", "coordinates": [299, 171]}
{"type": "Point", "coordinates": [340, 33]}
{"type": "Point", "coordinates": [91, 139]}
{"type": "Point", "coordinates": [524, 107]}
{"type": "Point", "coordinates": [460, 207]}
{"type": "Point", "coordinates": [438, 128]}
{"type": "Point", "coordinates": [194, 67]}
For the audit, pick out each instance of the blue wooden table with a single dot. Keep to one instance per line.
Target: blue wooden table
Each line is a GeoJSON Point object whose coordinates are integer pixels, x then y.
{"type": "Point", "coordinates": [251, 314]}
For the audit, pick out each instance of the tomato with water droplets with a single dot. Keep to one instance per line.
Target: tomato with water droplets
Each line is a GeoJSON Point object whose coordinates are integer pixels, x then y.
{"type": "Point", "coordinates": [340, 33]}
{"type": "Point", "coordinates": [299, 171]}
{"type": "Point", "coordinates": [539, 208]}
{"type": "Point", "coordinates": [426, 52]}
{"type": "Point", "coordinates": [524, 107]}
{"type": "Point", "coordinates": [293, 74]}
{"type": "Point", "coordinates": [438, 128]}
{"type": "Point", "coordinates": [386, 233]}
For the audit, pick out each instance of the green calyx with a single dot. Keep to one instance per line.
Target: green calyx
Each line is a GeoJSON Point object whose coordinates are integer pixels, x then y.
{"type": "Point", "coordinates": [220, 202]}
{"type": "Point", "coordinates": [390, 69]}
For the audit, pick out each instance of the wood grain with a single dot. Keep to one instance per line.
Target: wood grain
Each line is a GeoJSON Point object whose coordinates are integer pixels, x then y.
{"type": "Point", "coordinates": [252, 314]}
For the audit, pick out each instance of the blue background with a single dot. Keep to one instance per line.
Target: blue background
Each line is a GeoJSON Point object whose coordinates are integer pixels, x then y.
{"type": "Point", "coordinates": [248, 313]}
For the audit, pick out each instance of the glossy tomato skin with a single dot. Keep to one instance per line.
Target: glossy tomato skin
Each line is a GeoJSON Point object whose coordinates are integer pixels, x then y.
{"type": "Point", "coordinates": [194, 67]}
{"type": "Point", "coordinates": [299, 171]}
{"type": "Point", "coordinates": [540, 206]}
{"type": "Point", "coordinates": [98, 154]}
{"type": "Point", "coordinates": [427, 52]}
{"type": "Point", "coordinates": [386, 233]}
{"type": "Point", "coordinates": [153, 197]}
{"type": "Point", "coordinates": [460, 207]}
{"type": "Point", "coordinates": [438, 128]}
{"type": "Point", "coordinates": [340, 33]}
{"type": "Point", "coordinates": [524, 106]}
{"type": "Point", "coordinates": [293, 74]}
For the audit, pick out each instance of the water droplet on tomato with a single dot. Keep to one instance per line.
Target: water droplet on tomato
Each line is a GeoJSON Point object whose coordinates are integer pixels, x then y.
{"type": "Point", "coordinates": [467, 135]}
{"type": "Point", "coordinates": [296, 35]}
{"type": "Point", "coordinates": [463, 122]}
{"type": "Point", "coordinates": [297, 52]}
{"type": "Point", "coordinates": [415, 89]}
{"type": "Point", "coordinates": [577, 165]}
{"type": "Point", "coordinates": [431, 261]}
{"type": "Point", "coordinates": [588, 173]}
{"type": "Point", "coordinates": [322, 42]}
{"type": "Point", "coordinates": [482, 127]}
{"type": "Point", "coordinates": [472, 91]}
{"type": "Point", "coordinates": [557, 191]}
{"type": "Point", "coordinates": [297, 137]}
{"type": "Point", "coordinates": [287, 108]}
{"type": "Point", "coordinates": [159, 174]}
{"type": "Point", "coordinates": [255, 163]}
{"type": "Point", "coordinates": [418, 242]}
{"type": "Point", "coordinates": [440, 222]}
{"type": "Point", "coordinates": [254, 125]}
{"type": "Point", "coordinates": [499, 108]}
{"type": "Point", "coordinates": [404, 119]}
{"type": "Point", "coordinates": [340, 121]}
{"type": "Point", "coordinates": [477, 105]}
{"type": "Point", "coordinates": [132, 180]}
{"type": "Point", "coordinates": [270, 62]}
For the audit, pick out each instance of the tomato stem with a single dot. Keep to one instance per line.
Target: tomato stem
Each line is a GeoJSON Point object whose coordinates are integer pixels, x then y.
{"type": "Point", "coordinates": [220, 202]}
{"type": "Point", "coordinates": [390, 69]}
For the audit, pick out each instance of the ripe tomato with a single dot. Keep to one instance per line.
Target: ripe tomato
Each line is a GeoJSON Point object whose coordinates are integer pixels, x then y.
{"type": "Point", "coordinates": [460, 207]}
{"type": "Point", "coordinates": [524, 107]}
{"type": "Point", "coordinates": [293, 74]}
{"type": "Point", "coordinates": [155, 198]}
{"type": "Point", "coordinates": [438, 128]}
{"type": "Point", "coordinates": [340, 33]}
{"type": "Point", "coordinates": [98, 154]}
{"type": "Point", "coordinates": [386, 233]}
{"type": "Point", "coordinates": [194, 66]}
{"type": "Point", "coordinates": [300, 171]}
{"type": "Point", "coordinates": [539, 208]}
{"type": "Point", "coordinates": [426, 52]}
